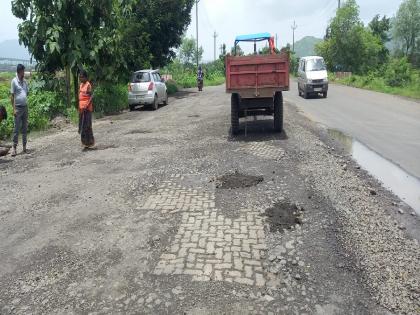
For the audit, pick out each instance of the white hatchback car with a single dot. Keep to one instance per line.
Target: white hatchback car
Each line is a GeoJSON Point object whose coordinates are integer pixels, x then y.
{"type": "Point", "coordinates": [147, 88]}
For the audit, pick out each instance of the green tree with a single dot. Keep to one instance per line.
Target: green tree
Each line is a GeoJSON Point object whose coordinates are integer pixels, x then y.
{"type": "Point", "coordinates": [407, 26]}
{"type": "Point", "coordinates": [59, 33]}
{"type": "Point", "coordinates": [188, 52]}
{"type": "Point", "coordinates": [110, 38]}
{"type": "Point", "coordinates": [381, 28]}
{"type": "Point", "coordinates": [348, 45]}
{"type": "Point", "coordinates": [153, 29]}
{"type": "Point", "coordinates": [239, 51]}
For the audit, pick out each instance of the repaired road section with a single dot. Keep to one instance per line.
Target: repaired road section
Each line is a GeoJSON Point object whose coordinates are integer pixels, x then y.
{"type": "Point", "coordinates": [389, 125]}
{"type": "Point", "coordinates": [170, 215]}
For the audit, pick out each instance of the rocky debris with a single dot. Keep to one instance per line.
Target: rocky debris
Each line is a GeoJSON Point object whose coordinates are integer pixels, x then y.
{"type": "Point", "coordinates": [388, 261]}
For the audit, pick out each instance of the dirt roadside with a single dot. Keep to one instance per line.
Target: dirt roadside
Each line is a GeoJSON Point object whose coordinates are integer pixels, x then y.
{"type": "Point", "coordinates": [144, 225]}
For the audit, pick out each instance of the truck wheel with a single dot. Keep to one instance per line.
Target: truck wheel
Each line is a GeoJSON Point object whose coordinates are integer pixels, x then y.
{"type": "Point", "coordinates": [305, 94]}
{"type": "Point", "coordinates": [132, 107]}
{"type": "Point", "coordinates": [234, 104]}
{"type": "Point", "coordinates": [325, 94]}
{"type": "Point", "coordinates": [278, 112]}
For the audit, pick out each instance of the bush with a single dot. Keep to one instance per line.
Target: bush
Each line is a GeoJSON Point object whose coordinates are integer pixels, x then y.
{"type": "Point", "coordinates": [398, 72]}
{"type": "Point", "coordinates": [171, 86]}
{"type": "Point", "coordinates": [6, 127]}
{"type": "Point", "coordinates": [110, 98]}
{"type": "Point", "coordinates": [48, 104]}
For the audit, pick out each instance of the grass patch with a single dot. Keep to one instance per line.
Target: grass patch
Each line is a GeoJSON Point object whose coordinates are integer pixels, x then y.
{"type": "Point", "coordinates": [185, 76]}
{"type": "Point", "coordinates": [377, 84]}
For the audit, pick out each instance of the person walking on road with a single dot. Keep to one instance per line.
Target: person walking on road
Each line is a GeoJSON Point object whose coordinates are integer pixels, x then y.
{"type": "Point", "coordinates": [85, 111]}
{"type": "Point", "coordinates": [19, 97]}
{"type": "Point", "coordinates": [200, 78]}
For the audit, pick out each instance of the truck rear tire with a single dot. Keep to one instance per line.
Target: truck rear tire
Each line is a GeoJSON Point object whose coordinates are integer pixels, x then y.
{"type": "Point", "coordinates": [278, 112]}
{"type": "Point", "coordinates": [234, 104]}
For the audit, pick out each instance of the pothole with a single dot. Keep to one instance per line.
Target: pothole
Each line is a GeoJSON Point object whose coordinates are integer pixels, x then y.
{"type": "Point", "coordinates": [194, 116]}
{"type": "Point", "coordinates": [283, 215]}
{"type": "Point", "coordinates": [237, 180]}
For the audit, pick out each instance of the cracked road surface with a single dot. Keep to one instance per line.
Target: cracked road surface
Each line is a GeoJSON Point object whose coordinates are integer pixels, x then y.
{"type": "Point", "coordinates": [145, 224]}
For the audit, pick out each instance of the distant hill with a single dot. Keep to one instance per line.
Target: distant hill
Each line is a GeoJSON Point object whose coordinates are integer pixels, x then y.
{"type": "Point", "coordinates": [12, 49]}
{"type": "Point", "coordinates": [306, 46]}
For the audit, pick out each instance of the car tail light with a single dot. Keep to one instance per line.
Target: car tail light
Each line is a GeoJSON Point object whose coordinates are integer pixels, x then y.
{"type": "Point", "coordinates": [129, 87]}
{"type": "Point", "coordinates": [151, 86]}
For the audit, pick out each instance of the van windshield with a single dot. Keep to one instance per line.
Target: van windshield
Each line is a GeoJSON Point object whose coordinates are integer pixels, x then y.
{"type": "Point", "coordinates": [140, 77]}
{"type": "Point", "coordinates": [315, 65]}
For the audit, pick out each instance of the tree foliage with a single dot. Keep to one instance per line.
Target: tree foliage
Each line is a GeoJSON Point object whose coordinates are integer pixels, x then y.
{"type": "Point", "coordinates": [407, 27]}
{"type": "Point", "coordinates": [348, 45]}
{"type": "Point", "coordinates": [188, 52]}
{"type": "Point", "coordinates": [109, 37]}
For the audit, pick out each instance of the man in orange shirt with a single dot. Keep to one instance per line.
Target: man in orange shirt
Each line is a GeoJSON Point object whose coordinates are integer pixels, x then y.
{"type": "Point", "coordinates": [85, 111]}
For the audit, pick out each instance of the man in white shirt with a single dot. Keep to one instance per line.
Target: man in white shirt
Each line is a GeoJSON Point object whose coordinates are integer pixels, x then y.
{"type": "Point", "coordinates": [19, 96]}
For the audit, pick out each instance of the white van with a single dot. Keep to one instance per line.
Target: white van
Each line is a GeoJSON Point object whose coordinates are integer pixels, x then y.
{"type": "Point", "coordinates": [312, 77]}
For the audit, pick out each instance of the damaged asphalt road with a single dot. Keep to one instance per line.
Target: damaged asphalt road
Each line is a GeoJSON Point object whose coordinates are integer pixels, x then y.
{"type": "Point", "coordinates": [170, 215]}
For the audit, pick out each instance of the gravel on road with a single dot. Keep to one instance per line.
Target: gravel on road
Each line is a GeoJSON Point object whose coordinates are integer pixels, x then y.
{"type": "Point", "coordinates": [172, 215]}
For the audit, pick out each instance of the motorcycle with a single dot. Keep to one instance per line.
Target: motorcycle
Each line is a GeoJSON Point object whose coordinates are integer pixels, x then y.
{"type": "Point", "coordinates": [200, 83]}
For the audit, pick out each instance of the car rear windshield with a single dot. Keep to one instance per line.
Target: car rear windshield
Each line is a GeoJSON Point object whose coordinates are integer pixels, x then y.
{"type": "Point", "coordinates": [315, 65]}
{"type": "Point", "coordinates": [140, 77]}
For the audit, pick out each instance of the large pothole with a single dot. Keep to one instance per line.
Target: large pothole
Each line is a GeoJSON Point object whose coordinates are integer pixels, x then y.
{"type": "Point", "coordinates": [283, 215]}
{"type": "Point", "coordinates": [237, 180]}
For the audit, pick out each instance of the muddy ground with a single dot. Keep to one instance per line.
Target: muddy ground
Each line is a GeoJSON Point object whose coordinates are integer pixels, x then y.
{"type": "Point", "coordinates": [171, 215]}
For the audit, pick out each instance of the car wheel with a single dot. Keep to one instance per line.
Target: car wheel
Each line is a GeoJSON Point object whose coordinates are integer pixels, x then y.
{"type": "Point", "coordinates": [132, 107]}
{"type": "Point", "coordinates": [155, 105]}
{"type": "Point", "coordinates": [166, 100]}
{"type": "Point", "coordinates": [305, 94]}
{"type": "Point", "coordinates": [325, 95]}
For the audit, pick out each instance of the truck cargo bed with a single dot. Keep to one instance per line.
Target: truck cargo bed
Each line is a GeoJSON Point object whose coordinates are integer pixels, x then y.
{"type": "Point", "coordinates": [258, 75]}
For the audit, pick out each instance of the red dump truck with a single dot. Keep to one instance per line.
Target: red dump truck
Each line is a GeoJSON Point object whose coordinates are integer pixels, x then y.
{"type": "Point", "coordinates": [256, 82]}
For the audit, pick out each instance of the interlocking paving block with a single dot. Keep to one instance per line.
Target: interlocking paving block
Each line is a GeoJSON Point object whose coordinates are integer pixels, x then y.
{"type": "Point", "coordinates": [209, 246]}
{"type": "Point", "coordinates": [263, 150]}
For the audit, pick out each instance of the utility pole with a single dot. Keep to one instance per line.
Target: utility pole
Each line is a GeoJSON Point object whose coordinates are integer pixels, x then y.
{"type": "Point", "coordinates": [339, 4]}
{"type": "Point", "coordinates": [215, 36]}
{"type": "Point", "coordinates": [277, 46]}
{"type": "Point", "coordinates": [294, 27]}
{"type": "Point", "coordinates": [196, 27]}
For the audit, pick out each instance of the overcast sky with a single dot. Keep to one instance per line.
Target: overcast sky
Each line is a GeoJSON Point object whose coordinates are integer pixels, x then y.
{"type": "Point", "coordinates": [234, 17]}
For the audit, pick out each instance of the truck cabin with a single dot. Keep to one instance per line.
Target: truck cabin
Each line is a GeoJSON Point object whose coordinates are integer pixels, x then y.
{"type": "Point", "coordinates": [255, 38]}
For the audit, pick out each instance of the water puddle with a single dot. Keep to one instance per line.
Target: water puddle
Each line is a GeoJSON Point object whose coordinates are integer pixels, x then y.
{"type": "Point", "coordinates": [393, 177]}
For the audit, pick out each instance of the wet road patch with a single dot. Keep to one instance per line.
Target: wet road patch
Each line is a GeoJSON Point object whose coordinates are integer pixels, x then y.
{"type": "Point", "coordinates": [282, 216]}
{"type": "Point", "coordinates": [237, 180]}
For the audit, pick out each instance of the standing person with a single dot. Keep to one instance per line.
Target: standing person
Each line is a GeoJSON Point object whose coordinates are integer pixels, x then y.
{"type": "Point", "coordinates": [19, 97]}
{"type": "Point", "coordinates": [200, 78]}
{"type": "Point", "coordinates": [85, 111]}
